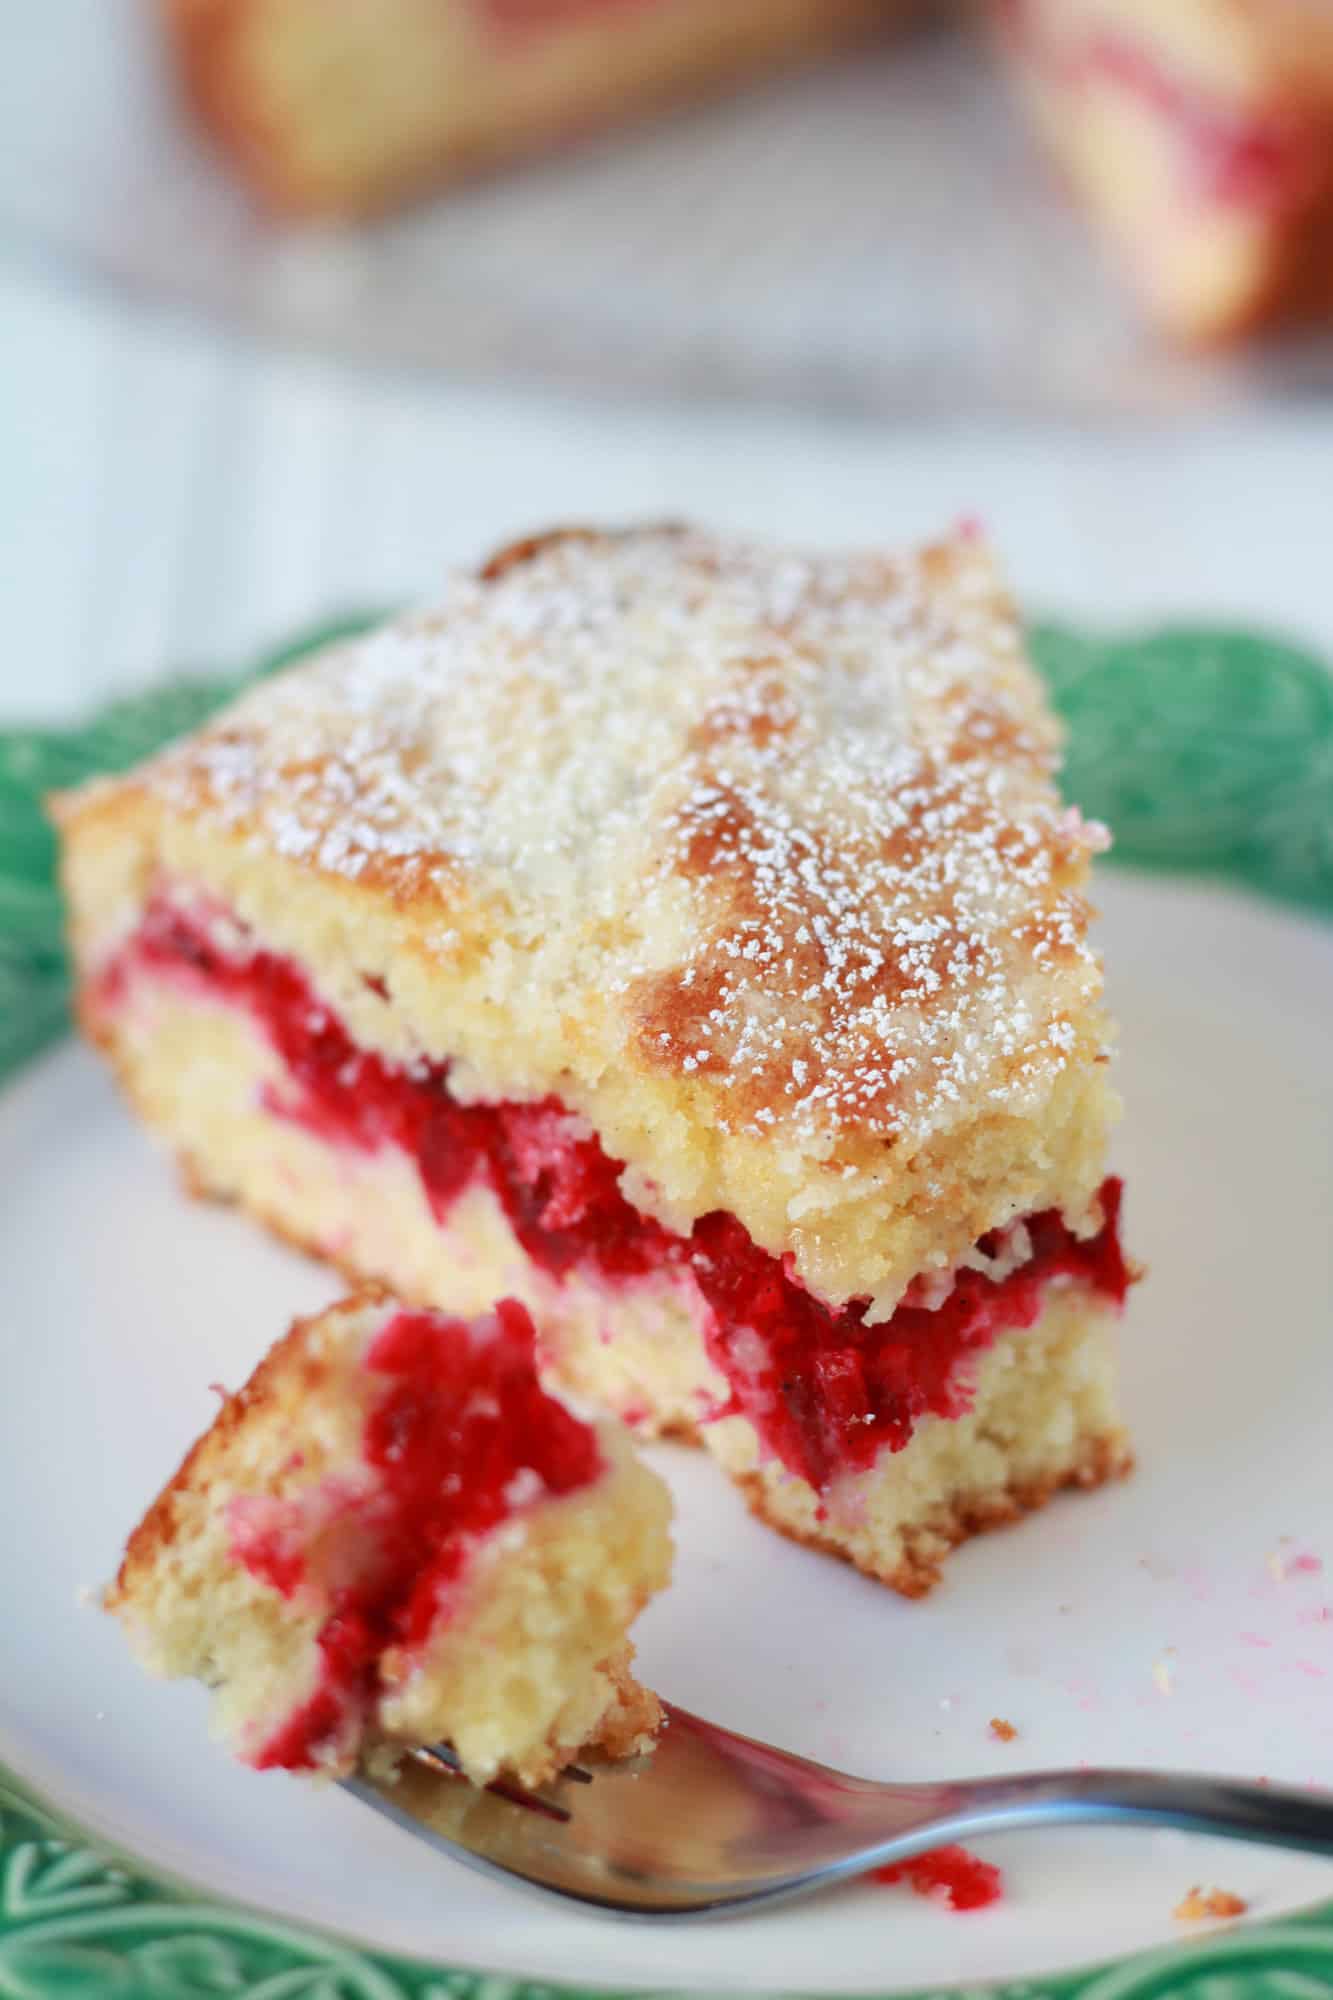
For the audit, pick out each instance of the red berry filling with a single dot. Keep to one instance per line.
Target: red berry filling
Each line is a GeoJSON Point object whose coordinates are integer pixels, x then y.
{"type": "Point", "coordinates": [948, 1875]}
{"type": "Point", "coordinates": [459, 1418]}
{"type": "Point", "coordinates": [830, 1392]}
{"type": "Point", "coordinates": [825, 1392]}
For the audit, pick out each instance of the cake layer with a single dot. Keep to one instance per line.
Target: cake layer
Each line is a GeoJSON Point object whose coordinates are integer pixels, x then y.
{"type": "Point", "coordinates": [751, 860]}
{"type": "Point", "coordinates": [393, 1535]}
{"type": "Point", "coordinates": [1041, 1413]}
{"type": "Point", "coordinates": [952, 1451]}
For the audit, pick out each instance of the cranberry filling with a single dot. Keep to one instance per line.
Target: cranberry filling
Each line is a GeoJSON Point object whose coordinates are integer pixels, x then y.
{"type": "Point", "coordinates": [950, 1875]}
{"type": "Point", "coordinates": [830, 1392]}
{"type": "Point", "coordinates": [825, 1391]}
{"type": "Point", "coordinates": [461, 1415]}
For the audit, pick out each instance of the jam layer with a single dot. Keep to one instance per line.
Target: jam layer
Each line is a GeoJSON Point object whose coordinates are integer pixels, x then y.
{"type": "Point", "coordinates": [825, 1391]}
{"type": "Point", "coordinates": [458, 1419]}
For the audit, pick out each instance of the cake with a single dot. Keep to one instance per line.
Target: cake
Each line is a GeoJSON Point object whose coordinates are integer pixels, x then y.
{"type": "Point", "coordinates": [339, 107]}
{"type": "Point", "coordinates": [686, 938]}
{"type": "Point", "coordinates": [1200, 135]}
{"type": "Point", "coordinates": [394, 1536]}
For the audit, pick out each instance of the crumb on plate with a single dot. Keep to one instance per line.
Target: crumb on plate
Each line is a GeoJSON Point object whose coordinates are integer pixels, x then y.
{"type": "Point", "coordinates": [950, 1876]}
{"type": "Point", "coordinates": [1199, 1903]}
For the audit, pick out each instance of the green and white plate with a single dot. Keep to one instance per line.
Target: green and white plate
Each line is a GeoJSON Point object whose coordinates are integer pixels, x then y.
{"type": "Point", "coordinates": [1185, 1619]}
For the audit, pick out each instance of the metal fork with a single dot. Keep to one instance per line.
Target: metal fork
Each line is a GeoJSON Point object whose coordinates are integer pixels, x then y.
{"type": "Point", "coordinates": [713, 1822]}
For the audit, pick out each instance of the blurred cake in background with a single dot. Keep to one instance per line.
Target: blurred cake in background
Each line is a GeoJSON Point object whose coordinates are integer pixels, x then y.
{"type": "Point", "coordinates": [1200, 135]}
{"type": "Point", "coordinates": [344, 106]}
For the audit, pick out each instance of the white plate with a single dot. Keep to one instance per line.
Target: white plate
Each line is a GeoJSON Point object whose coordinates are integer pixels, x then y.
{"type": "Point", "coordinates": [1178, 1620]}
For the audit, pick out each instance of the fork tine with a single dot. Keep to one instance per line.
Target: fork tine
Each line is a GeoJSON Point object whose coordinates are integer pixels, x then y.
{"type": "Point", "coordinates": [444, 1753]}
{"type": "Point", "coordinates": [713, 1821]}
{"type": "Point", "coordinates": [660, 1836]}
{"type": "Point", "coordinates": [442, 1757]}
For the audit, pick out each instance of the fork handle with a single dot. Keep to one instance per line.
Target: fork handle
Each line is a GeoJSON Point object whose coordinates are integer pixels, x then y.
{"type": "Point", "coordinates": [1238, 1809]}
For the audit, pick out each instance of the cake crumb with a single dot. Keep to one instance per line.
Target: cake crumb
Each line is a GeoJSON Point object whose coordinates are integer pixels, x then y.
{"type": "Point", "coordinates": [1199, 1903]}
{"type": "Point", "coordinates": [1161, 1674]}
{"type": "Point", "coordinates": [1002, 1731]}
{"type": "Point", "coordinates": [1281, 1566]}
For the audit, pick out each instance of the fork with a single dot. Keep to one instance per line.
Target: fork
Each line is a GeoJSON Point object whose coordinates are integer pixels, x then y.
{"type": "Point", "coordinates": [713, 1822]}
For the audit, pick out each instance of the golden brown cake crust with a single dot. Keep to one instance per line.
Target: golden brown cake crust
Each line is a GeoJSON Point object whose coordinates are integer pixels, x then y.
{"type": "Point", "coordinates": [289, 1360]}
{"type": "Point", "coordinates": [955, 875]}
{"type": "Point", "coordinates": [632, 1717]}
{"type": "Point", "coordinates": [752, 858]}
{"type": "Point", "coordinates": [959, 1518]}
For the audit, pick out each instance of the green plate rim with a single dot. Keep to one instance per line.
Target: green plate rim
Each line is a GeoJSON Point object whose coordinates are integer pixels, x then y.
{"type": "Point", "coordinates": [1209, 751]}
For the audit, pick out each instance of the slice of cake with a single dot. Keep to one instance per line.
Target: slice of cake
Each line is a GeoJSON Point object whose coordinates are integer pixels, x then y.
{"type": "Point", "coordinates": [341, 106]}
{"type": "Point", "coordinates": [392, 1536]}
{"type": "Point", "coordinates": [1200, 133]}
{"type": "Point", "coordinates": [688, 939]}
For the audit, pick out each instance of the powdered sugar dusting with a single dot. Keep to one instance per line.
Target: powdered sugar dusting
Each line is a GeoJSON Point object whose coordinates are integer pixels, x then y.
{"type": "Point", "coordinates": [791, 816]}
